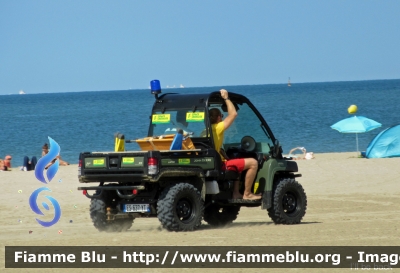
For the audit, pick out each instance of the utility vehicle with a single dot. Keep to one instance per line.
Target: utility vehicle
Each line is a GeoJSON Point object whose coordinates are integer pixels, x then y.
{"type": "Point", "coordinates": [185, 185]}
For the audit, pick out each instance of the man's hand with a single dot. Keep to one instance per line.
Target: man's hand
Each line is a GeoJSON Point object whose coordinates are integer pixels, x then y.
{"type": "Point", "coordinates": [224, 94]}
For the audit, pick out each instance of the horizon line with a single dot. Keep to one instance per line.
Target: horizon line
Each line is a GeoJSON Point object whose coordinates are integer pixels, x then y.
{"type": "Point", "coordinates": [186, 87]}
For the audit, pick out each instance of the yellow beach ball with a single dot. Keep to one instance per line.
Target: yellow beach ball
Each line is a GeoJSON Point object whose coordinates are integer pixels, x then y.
{"type": "Point", "coordinates": [352, 109]}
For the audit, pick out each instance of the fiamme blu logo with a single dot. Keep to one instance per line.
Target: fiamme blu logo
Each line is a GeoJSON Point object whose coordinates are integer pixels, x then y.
{"type": "Point", "coordinates": [50, 172]}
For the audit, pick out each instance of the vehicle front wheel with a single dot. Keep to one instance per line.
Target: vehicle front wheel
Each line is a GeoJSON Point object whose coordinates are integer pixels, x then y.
{"type": "Point", "coordinates": [289, 202]}
{"type": "Point", "coordinates": [180, 208]}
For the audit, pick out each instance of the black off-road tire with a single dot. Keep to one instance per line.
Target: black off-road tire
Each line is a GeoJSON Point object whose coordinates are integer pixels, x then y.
{"type": "Point", "coordinates": [180, 208]}
{"type": "Point", "coordinates": [218, 216]}
{"type": "Point", "coordinates": [98, 211]}
{"type": "Point", "coordinates": [289, 202]}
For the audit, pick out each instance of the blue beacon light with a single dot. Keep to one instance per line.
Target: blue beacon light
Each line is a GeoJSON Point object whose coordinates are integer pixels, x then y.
{"type": "Point", "coordinates": [155, 87]}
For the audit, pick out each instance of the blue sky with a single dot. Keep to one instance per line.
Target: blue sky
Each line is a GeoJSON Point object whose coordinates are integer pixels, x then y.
{"type": "Point", "coordinates": [68, 46]}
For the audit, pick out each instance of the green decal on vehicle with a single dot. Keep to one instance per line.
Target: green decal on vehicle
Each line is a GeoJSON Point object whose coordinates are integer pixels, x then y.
{"type": "Point", "coordinates": [195, 117]}
{"type": "Point", "coordinates": [160, 118]}
{"type": "Point", "coordinates": [184, 161]}
{"type": "Point", "coordinates": [128, 162]}
{"type": "Point", "coordinates": [99, 162]}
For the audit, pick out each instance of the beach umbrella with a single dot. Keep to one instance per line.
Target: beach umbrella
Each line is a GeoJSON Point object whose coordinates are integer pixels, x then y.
{"type": "Point", "coordinates": [356, 124]}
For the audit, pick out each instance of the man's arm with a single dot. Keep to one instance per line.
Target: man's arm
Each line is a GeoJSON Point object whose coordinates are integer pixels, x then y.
{"type": "Point", "coordinates": [232, 114]}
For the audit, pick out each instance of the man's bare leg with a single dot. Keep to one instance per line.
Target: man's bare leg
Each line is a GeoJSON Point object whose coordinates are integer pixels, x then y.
{"type": "Point", "coordinates": [251, 165]}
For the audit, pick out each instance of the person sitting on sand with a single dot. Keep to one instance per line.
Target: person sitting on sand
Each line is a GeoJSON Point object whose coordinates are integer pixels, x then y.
{"type": "Point", "coordinates": [7, 162]}
{"type": "Point", "coordinates": [305, 155]}
{"type": "Point", "coordinates": [28, 165]}
{"type": "Point", "coordinates": [238, 164]}
{"type": "Point", "coordinates": [45, 150]}
{"type": "Point", "coordinates": [2, 166]}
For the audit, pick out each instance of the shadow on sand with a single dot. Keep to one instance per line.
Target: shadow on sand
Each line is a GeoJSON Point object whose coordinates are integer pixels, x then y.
{"type": "Point", "coordinates": [246, 224]}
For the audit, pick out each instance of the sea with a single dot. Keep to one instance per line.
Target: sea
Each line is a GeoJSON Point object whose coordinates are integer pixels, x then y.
{"type": "Point", "coordinates": [299, 116]}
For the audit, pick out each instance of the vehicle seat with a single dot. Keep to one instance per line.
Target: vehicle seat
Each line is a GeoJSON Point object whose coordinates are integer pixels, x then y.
{"type": "Point", "coordinates": [231, 174]}
{"type": "Point", "coordinates": [223, 175]}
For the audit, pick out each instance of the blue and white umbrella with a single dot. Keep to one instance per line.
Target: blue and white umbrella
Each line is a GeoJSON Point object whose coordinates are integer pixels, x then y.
{"type": "Point", "coordinates": [356, 124]}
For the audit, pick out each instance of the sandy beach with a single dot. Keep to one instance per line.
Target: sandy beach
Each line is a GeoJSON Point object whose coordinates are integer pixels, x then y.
{"type": "Point", "coordinates": [351, 202]}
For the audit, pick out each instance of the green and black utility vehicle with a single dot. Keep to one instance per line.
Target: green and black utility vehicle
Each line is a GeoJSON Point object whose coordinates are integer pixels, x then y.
{"type": "Point", "coordinates": [185, 186]}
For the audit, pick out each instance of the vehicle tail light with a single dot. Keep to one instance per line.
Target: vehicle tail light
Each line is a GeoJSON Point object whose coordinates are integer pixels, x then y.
{"type": "Point", "coordinates": [134, 191]}
{"type": "Point", "coordinates": [84, 192]}
{"type": "Point", "coordinates": [80, 163]}
{"type": "Point", "coordinates": [152, 165]}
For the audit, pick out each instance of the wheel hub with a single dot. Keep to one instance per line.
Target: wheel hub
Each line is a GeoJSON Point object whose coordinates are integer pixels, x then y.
{"type": "Point", "coordinates": [289, 202]}
{"type": "Point", "coordinates": [184, 209]}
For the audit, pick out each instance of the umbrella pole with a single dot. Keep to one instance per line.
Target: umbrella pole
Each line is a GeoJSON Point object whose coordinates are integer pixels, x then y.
{"type": "Point", "coordinates": [357, 142]}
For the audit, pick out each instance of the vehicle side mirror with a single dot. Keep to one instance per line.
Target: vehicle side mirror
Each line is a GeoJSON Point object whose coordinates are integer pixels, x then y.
{"type": "Point", "coordinates": [276, 147]}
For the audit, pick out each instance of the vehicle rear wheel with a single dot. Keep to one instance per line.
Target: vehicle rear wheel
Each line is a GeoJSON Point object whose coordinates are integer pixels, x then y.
{"type": "Point", "coordinates": [180, 208]}
{"type": "Point", "coordinates": [98, 214]}
{"type": "Point", "coordinates": [289, 202]}
{"type": "Point", "coordinates": [216, 215]}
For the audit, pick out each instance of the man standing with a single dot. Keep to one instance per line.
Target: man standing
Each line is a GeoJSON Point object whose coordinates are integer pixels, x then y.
{"type": "Point", "coordinates": [239, 164]}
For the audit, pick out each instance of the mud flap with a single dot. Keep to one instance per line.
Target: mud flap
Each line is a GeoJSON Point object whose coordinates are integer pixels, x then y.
{"type": "Point", "coordinates": [203, 190]}
{"type": "Point", "coordinates": [266, 200]}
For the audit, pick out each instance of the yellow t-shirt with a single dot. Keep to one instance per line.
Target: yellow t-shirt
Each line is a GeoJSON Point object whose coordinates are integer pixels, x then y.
{"type": "Point", "coordinates": [218, 135]}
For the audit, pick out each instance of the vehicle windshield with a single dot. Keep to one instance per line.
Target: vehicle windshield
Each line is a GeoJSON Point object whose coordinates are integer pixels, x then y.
{"type": "Point", "coordinates": [246, 123]}
{"type": "Point", "coordinates": [193, 124]}
{"type": "Point", "coordinates": [169, 121]}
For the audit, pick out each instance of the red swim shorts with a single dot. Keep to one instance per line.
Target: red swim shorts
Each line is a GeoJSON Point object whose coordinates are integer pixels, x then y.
{"type": "Point", "coordinates": [236, 165]}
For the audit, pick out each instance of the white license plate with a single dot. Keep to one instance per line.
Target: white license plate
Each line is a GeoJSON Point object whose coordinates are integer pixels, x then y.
{"type": "Point", "coordinates": [137, 208]}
